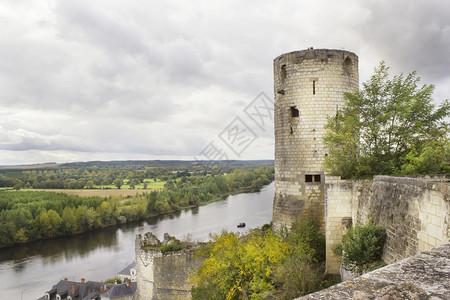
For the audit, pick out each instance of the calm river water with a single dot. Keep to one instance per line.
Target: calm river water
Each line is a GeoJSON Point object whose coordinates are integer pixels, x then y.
{"type": "Point", "coordinates": [29, 270]}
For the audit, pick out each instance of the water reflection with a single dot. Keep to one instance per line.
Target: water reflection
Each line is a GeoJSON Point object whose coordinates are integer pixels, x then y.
{"type": "Point", "coordinates": [75, 245]}
{"type": "Point", "coordinates": [100, 254]}
{"type": "Point", "coordinates": [52, 250]}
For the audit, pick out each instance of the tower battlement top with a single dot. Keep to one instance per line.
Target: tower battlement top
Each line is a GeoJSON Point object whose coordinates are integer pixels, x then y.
{"type": "Point", "coordinates": [310, 53]}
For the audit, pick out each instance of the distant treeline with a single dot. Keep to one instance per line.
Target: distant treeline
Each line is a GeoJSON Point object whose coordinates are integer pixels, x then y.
{"type": "Point", "coordinates": [114, 174]}
{"type": "Point", "coordinates": [31, 215]}
{"type": "Point", "coordinates": [177, 164]}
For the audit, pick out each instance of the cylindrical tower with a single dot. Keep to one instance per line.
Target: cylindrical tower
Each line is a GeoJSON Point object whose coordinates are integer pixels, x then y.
{"type": "Point", "coordinates": [309, 86]}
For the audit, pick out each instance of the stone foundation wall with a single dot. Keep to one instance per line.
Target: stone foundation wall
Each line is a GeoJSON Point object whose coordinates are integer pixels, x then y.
{"type": "Point", "coordinates": [414, 211]}
{"type": "Point", "coordinates": [338, 217]}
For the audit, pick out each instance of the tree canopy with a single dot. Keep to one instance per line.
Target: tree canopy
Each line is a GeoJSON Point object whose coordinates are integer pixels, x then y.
{"type": "Point", "coordinates": [390, 126]}
{"type": "Point", "coordinates": [262, 264]}
{"type": "Point", "coordinates": [31, 215]}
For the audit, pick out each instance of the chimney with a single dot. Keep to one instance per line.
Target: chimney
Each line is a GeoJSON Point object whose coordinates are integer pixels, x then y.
{"type": "Point", "coordinates": [65, 279]}
{"type": "Point", "coordinates": [73, 288]}
{"type": "Point", "coordinates": [83, 280]}
{"type": "Point", "coordinates": [129, 282]}
{"type": "Point", "coordinates": [101, 290]}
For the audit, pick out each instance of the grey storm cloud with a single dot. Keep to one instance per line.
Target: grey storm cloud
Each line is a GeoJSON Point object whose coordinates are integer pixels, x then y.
{"type": "Point", "coordinates": [150, 79]}
{"type": "Point", "coordinates": [415, 35]}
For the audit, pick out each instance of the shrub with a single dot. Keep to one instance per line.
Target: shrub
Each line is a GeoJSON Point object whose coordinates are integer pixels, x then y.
{"type": "Point", "coordinates": [171, 247]}
{"type": "Point", "coordinates": [362, 247]}
{"type": "Point", "coordinates": [114, 280]}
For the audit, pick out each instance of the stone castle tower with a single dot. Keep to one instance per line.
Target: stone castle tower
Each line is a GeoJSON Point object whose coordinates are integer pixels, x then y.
{"type": "Point", "coordinates": [309, 87]}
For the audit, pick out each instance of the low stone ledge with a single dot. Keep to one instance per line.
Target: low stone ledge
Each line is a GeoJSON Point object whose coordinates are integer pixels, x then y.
{"type": "Point", "coordinates": [432, 182]}
{"type": "Point", "coordinates": [423, 276]}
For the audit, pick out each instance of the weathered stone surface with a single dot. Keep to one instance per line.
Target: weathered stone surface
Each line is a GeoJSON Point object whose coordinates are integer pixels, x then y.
{"type": "Point", "coordinates": [414, 211]}
{"type": "Point", "coordinates": [164, 276]}
{"type": "Point", "coordinates": [309, 86]}
{"type": "Point", "coordinates": [423, 276]}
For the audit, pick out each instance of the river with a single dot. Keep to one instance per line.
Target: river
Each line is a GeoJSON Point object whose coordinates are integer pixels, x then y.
{"type": "Point", "coordinates": [27, 271]}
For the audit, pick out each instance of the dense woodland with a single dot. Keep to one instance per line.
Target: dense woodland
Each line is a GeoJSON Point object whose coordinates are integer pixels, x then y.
{"type": "Point", "coordinates": [114, 174]}
{"type": "Point", "coordinates": [30, 215]}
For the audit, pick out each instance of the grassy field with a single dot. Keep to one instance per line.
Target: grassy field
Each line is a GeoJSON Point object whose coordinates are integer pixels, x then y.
{"type": "Point", "coordinates": [95, 192]}
{"type": "Point", "coordinates": [107, 190]}
{"type": "Point", "coordinates": [151, 185]}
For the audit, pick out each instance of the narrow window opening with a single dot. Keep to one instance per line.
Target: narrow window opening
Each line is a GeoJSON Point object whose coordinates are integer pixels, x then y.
{"type": "Point", "coordinates": [292, 130]}
{"type": "Point", "coordinates": [294, 112]}
{"type": "Point", "coordinates": [313, 178]}
{"type": "Point", "coordinates": [283, 72]}
{"type": "Point", "coordinates": [314, 87]}
{"type": "Point", "coordinates": [348, 64]}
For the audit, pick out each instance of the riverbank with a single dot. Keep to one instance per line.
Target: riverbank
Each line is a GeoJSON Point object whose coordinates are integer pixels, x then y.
{"type": "Point", "coordinates": [100, 253]}
{"type": "Point", "coordinates": [213, 198]}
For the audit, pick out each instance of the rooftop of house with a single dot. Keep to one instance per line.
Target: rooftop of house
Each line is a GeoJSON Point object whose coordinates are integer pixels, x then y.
{"type": "Point", "coordinates": [127, 269]}
{"type": "Point", "coordinates": [121, 290]}
{"type": "Point", "coordinates": [76, 290]}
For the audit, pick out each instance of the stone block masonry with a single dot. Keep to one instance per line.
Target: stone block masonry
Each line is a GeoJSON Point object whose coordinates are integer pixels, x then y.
{"type": "Point", "coordinates": [309, 87]}
{"type": "Point", "coordinates": [164, 276]}
{"type": "Point", "coordinates": [424, 276]}
{"type": "Point", "coordinates": [415, 211]}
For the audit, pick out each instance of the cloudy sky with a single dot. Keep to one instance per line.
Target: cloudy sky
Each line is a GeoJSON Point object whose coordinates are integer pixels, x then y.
{"type": "Point", "coordinates": [113, 79]}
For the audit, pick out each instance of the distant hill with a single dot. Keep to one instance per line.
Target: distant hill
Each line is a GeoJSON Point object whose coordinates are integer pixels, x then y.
{"type": "Point", "coordinates": [164, 163]}
{"type": "Point", "coordinates": [32, 166]}
{"type": "Point", "coordinates": [139, 163]}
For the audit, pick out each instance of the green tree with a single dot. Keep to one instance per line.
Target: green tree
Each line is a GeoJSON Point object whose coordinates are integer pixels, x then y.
{"type": "Point", "coordinates": [69, 223]}
{"type": "Point", "coordinates": [152, 198]}
{"type": "Point", "coordinates": [361, 247]}
{"type": "Point", "coordinates": [20, 235]}
{"type": "Point", "coordinates": [382, 123]}
{"type": "Point", "coordinates": [90, 184]}
{"type": "Point", "coordinates": [106, 213]}
{"type": "Point", "coordinates": [301, 272]}
{"type": "Point", "coordinates": [240, 267]}
{"type": "Point", "coordinates": [44, 224]}
{"type": "Point", "coordinates": [133, 183]}
{"type": "Point", "coordinates": [55, 222]}
{"type": "Point", "coordinates": [118, 183]}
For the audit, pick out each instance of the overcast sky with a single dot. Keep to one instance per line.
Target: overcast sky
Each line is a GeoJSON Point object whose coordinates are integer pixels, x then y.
{"type": "Point", "coordinates": [113, 79]}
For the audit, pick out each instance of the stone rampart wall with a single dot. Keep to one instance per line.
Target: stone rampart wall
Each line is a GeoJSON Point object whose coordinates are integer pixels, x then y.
{"type": "Point", "coordinates": [164, 276]}
{"type": "Point", "coordinates": [413, 210]}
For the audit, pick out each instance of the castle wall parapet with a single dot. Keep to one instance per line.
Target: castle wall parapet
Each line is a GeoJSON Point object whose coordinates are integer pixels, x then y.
{"type": "Point", "coordinates": [164, 274]}
{"type": "Point", "coordinates": [414, 210]}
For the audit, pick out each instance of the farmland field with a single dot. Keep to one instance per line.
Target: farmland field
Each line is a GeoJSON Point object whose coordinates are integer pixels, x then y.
{"type": "Point", "coordinates": [95, 192]}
